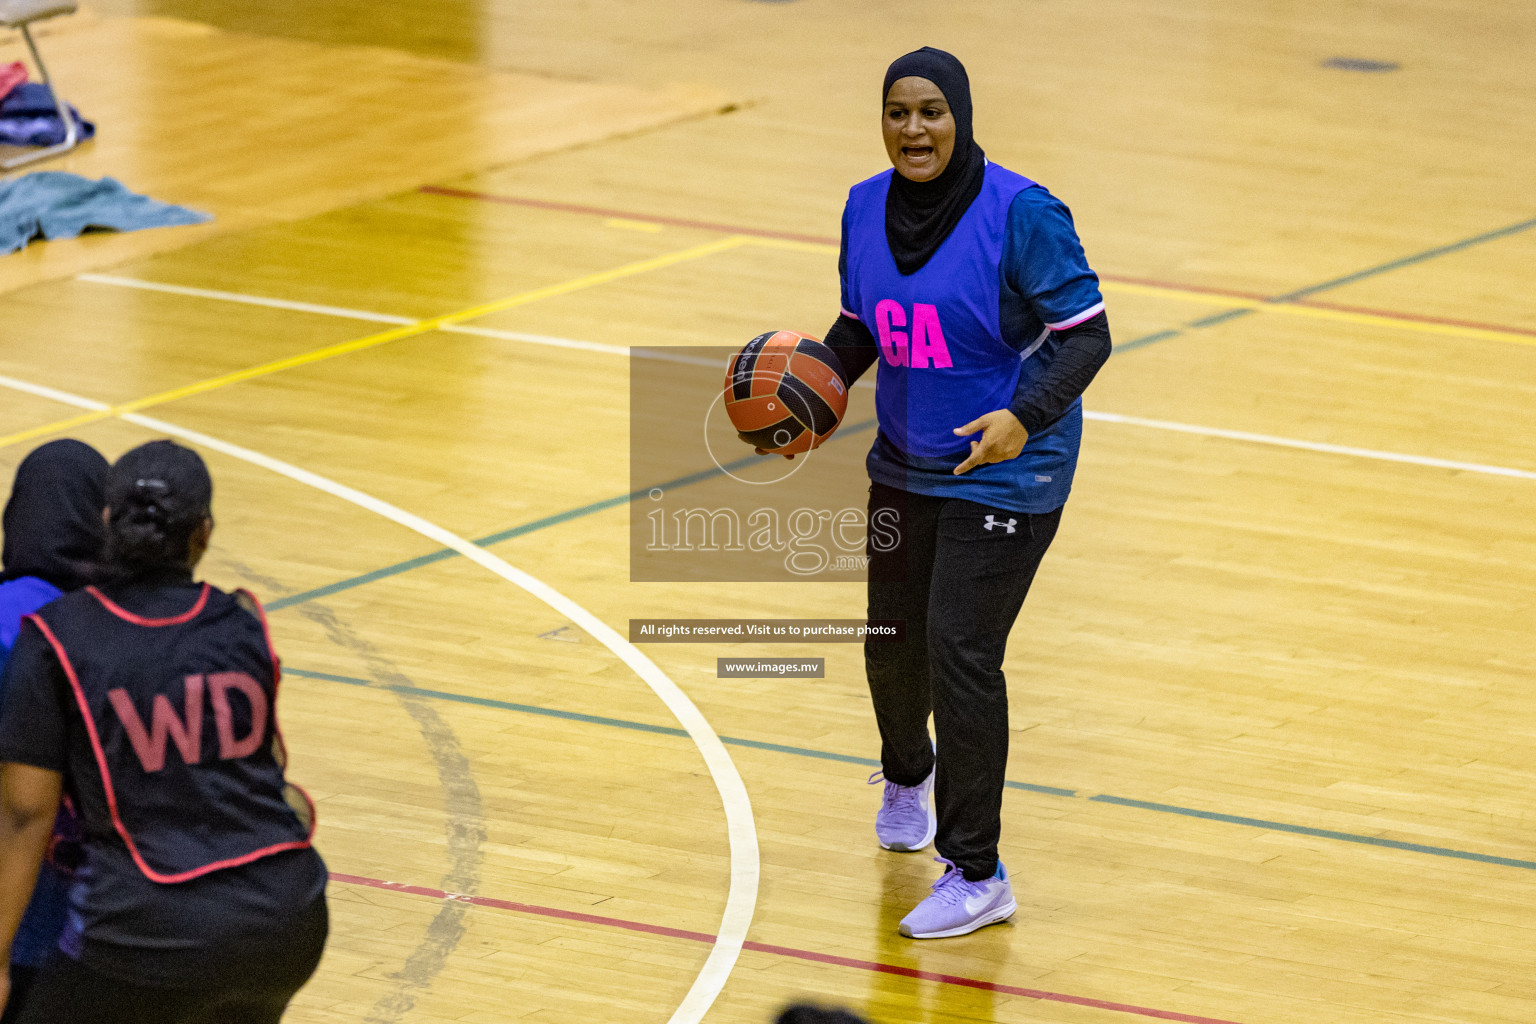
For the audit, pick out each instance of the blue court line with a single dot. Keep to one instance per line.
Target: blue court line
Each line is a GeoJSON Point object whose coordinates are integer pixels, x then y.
{"type": "Point", "coordinates": [622, 499]}
{"type": "Point", "coordinates": [1320, 833]}
{"type": "Point", "coordinates": [617, 723]}
{"type": "Point", "coordinates": [825, 755]}
{"type": "Point", "coordinates": [538, 524]}
{"type": "Point", "coordinates": [486, 702]}
{"type": "Point", "coordinates": [1408, 261]}
{"type": "Point", "coordinates": [1337, 282]}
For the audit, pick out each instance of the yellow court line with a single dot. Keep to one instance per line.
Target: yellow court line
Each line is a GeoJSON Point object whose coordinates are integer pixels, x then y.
{"type": "Point", "coordinates": [382, 337]}
{"type": "Point", "coordinates": [792, 245]}
{"type": "Point", "coordinates": [51, 428]}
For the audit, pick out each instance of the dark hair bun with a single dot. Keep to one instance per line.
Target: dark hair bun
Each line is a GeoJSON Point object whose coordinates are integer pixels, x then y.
{"type": "Point", "coordinates": [157, 495]}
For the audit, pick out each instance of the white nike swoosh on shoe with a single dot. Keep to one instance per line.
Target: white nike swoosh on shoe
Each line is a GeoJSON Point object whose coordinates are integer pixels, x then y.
{"type": "Point", "coordinates": [976, 904]}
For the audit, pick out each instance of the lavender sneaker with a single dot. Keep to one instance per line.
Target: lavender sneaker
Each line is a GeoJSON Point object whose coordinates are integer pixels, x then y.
{"type": "Point", "coordinates": [907, 820]}
{"type": "Point", "coordinates": [958, 907]}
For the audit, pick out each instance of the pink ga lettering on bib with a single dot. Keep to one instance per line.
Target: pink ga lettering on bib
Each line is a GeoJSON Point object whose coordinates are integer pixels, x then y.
{"type": "Point", "coordinates": [924, 348]}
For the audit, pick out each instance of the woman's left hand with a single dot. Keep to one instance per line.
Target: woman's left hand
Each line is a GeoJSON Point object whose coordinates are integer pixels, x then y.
{"type": "Point", "coordinates": [1002, 438]}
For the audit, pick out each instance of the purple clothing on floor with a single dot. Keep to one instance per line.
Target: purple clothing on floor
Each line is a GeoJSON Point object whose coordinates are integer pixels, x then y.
{"type": "Point", "coordinates": [28, 117]}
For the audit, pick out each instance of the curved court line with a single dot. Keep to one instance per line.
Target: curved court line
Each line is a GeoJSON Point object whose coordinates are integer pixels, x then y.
{"type": "Point", "coordinates": [1103, 798]}
{"type": "Point", "coordinates": [813, 956]}
{"type": "Point", "coordinates": [1107, 417]}
{"type": "Point", "coordinates": [741, 831]}
{"type": "Point", "coordinates": [827, 755]}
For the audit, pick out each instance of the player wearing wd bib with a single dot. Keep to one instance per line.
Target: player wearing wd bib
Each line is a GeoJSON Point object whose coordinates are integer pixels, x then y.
{"type": "Point", "coordinates": [180, 712]}
{"type": "Point", "coordinates": [967, 285]}
{"type": "Point", "coordinates": [151, 700]}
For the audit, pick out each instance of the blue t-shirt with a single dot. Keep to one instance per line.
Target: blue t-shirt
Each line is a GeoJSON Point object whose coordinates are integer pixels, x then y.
{"type": "Point", "coordinates": [958, 335]}
{"type": "Point", "coordinates": [18, 599]}
{"type": "Point", "coordinates": [47, 913]}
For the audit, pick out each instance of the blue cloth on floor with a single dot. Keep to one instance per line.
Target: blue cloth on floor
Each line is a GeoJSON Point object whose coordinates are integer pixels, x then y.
{"type": "Point", "coordinates": [29, 118]}
{"type": "Point", "coordinates": [56, 204]}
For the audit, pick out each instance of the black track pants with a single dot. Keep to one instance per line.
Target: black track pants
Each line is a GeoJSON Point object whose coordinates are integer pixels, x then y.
{"type": "Point", "coordinates": [21, 984]}
{"type": "Point", "coordinates": [957, 574]}
{"type": "Point", "coordinates": [66, 991]}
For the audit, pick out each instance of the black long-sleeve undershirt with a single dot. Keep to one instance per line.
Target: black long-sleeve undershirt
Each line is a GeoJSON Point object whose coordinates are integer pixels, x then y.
{"type": "Point", "coordinates": [854, 345]}
{"type": "Point", "coordinates": [1037, 403]}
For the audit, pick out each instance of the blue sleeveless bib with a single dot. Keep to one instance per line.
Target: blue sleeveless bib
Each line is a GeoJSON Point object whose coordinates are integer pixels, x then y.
{"type": "Point", "coordinates": [943, 358]}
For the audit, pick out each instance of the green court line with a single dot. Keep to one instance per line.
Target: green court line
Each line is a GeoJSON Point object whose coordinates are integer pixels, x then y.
{"type": "Point", "coordinates": [1320, 833]}
{"type": "Point", "coordinates": [486, 702]}
{"type": "Point", "coordinates": [826, 755]}
{"type": "Point", "coordinates": [617, 723]}
{"type": "Point", "coordinates": [1332, 283]}
{"type": "Point", "coordinates": [1408, 261]}
{"type": "Point", "coordinates": [622, 499]}
{"type": "Point", "coordinates": [538, 524]}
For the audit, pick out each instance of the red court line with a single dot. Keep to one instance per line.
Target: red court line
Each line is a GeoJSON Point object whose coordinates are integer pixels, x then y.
{"type": "Point", "coordinates": [986, 986]}
{"type": "Point", "coordinates": [1201, 289]}
{"type": "Point", "coordinates": [1390, 314]}
{"type": "Point", "coordinates": [523, 908]}
{"type": "Point", "coordinates": [784, 951]}
{"type": "Point", "coordinates": [598, 211]}
{"type": "Point", "coordinates": [1417, 317]}
{"type": "Point", "coordinates": [737, 229]}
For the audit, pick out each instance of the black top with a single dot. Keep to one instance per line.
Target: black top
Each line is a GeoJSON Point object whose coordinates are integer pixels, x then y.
{"type": "Point", "coordinates": [122, 924]}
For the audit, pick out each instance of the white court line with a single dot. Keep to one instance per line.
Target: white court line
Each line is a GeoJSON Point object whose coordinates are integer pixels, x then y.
{"type": "Point", "coordinates": [1311, 446]}
{"type": "Point", "coordinates": [347, 313]}
{"type": "Point", "coordinates": [248, 300]}
{"type": "Point", "coordinates": [1376, 454]}
{"type": "Point", "coordinates": [660, 352]}
{"type": "Point", "coordinates": [62, 397]}
{"type": "Point", "coordinates": [741, 831]}
{"type": "Point", "coordinates": [538, 339]}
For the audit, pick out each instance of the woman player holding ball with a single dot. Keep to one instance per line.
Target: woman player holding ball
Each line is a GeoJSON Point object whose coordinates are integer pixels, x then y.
{"type": "Point", "coordinates": [969, 287]}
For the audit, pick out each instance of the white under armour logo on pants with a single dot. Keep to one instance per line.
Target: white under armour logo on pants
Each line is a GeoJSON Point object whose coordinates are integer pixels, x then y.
{"type": "Point", "coordinates": [1009, 525]}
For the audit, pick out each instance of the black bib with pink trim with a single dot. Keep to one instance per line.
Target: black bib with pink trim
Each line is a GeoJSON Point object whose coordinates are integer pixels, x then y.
{"type": "Point", "coordinates": [181, 715]}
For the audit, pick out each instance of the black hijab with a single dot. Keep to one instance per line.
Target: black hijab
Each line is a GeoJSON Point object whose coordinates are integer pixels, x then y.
{"type": "Point", "coordinates": [919, 215]}
{"type": "Point", "coordinates": [52, 521]}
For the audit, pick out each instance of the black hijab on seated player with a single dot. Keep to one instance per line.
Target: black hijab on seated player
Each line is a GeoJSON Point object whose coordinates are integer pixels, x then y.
{"type": "Point", "coordinates": [919, 215]}
{"type": "Point", "coordinates": [52, 521]}
{"type": "Point", "coordinates": [159, 495]}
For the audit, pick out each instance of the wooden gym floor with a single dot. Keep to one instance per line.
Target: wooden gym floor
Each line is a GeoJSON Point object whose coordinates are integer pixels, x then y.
{"type": "Point", "coordinates": [1273, 745]}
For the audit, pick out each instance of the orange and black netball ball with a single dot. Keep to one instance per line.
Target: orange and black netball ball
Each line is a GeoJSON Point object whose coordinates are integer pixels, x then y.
{"type": "Point", "coordinates": [784, 392]}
